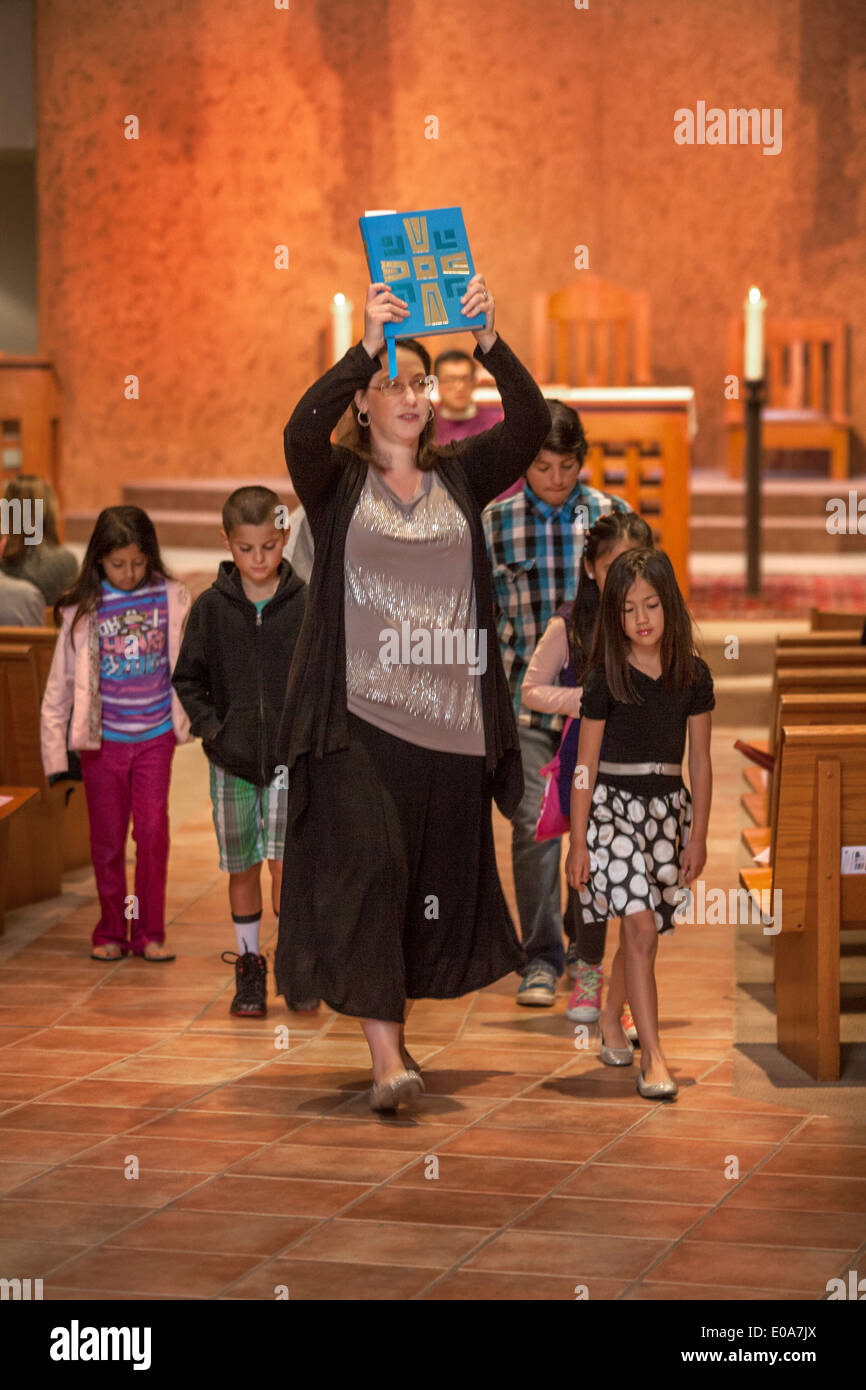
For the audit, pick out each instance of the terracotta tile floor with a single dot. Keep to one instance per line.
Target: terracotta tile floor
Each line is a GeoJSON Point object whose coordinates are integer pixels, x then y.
{"type": "Point", "coordinates": [151, 1146]}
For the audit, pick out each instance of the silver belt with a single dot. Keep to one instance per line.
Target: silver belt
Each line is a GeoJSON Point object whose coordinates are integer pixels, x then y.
{"type": "Point", "coordinates": [641, 769]}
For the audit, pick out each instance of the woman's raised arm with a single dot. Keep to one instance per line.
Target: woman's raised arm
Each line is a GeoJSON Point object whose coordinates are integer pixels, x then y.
{"type": "Point", "coordinates": [312, 463]}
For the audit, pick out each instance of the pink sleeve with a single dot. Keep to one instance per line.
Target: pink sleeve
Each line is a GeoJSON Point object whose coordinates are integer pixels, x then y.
{"type": "Point", "coordinates": [57, 700]}
{"type": "Point", "coordinates": [540, 690]}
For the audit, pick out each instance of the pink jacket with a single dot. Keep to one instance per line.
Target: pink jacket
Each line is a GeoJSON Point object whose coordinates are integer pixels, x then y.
{"type": "Point", "coordinates": [73, 679]}
{"type": "Point", "coordinates": [539, 690]}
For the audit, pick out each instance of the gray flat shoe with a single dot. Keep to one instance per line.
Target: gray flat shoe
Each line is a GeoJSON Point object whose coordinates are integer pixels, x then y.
{"type": "Point", "coordinates": [615, 1056]}
{"type": "Point", "coordinates": [407, 1086]}
{"type": "Point", "coordinates": [656, 1090]}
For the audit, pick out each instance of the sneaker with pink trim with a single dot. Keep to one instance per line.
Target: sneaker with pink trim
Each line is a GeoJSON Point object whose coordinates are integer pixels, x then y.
{"type": "Point", "coordinates": [584, 1005]}
{"type": "Point", "coordinates": [628, 1025]}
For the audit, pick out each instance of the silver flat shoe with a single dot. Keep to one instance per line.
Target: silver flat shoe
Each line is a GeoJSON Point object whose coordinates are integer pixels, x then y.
{"type": "Point", "coordinates": [405, 1087]}
{"type": "Point", "coordinates": [615, 1056]}
{"type": "Point", "coordinates": [656, 1090]}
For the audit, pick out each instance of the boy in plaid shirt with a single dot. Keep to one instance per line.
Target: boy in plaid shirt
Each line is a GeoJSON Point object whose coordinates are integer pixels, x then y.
{"type": "Point", "coordinates": [535, 544]}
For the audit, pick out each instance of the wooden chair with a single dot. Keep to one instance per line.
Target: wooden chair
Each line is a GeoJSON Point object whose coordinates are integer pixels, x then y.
{"type": "Point", "coordinates": [821, 807]}
{"type": "Point", "coordinates": [806, 374]}
{"type": "Point", "coordinates": [592, 333]}
{"type": "Point", "coordinates": [822, 618]}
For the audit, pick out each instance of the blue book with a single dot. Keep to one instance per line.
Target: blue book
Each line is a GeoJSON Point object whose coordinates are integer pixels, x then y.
{"type": "Point", "coordinates": [424, 258]}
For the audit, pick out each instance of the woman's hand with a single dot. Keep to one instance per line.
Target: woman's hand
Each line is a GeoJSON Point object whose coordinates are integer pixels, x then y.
{"type": "Point", "coordinates": [382, 306]}
{"type": "Point", "coordinates": [693, 859]}
{"type": "Point", "coordinates": [477, 299]}
{"type": "Point", "coordinates": [577, 865]}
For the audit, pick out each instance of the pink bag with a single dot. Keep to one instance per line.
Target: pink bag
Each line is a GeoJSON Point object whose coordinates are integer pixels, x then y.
{"type": "Point", "coordinates": [551, 822]}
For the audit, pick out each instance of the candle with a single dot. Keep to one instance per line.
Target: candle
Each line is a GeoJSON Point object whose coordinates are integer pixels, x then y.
{"type": "Point", "coordinates": [753, 354]}
{"type": "Point", "coordinates": [341, 326]}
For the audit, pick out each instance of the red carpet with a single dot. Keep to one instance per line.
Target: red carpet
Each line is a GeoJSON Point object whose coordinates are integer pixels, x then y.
{"type": "Point", "coordinates": [782, 596]}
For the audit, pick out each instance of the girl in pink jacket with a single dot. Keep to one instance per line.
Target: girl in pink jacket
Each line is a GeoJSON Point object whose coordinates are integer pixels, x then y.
{"type": "Point", "coordinates": [110, 697]}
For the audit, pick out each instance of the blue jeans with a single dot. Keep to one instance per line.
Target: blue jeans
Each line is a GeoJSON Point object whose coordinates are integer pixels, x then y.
{"type": "Point", "coordinates": [536, 863]}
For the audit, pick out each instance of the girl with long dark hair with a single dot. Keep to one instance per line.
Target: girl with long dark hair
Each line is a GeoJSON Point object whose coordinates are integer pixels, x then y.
{"type": "Point", "coordinates": [637, 835]}
{"type": "Point", "coordinates": [110, 697]}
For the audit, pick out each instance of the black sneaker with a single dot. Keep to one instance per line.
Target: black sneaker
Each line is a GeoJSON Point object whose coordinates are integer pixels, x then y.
{"type": "Point", "coordinates": [250, 999]}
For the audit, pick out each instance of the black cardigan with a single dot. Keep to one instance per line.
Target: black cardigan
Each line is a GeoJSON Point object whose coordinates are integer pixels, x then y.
{"type": "Point", "coordinates": [328, 479]}
{"type": "Point", "coordinates": [232, 670]}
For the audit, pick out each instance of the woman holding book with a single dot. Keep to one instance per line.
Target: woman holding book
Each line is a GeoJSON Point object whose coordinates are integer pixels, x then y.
{"type": "Point", "coordinates": [398, 727]}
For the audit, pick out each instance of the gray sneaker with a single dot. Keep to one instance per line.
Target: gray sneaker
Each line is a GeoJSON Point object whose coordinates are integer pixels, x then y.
{"type": "Point", "coordinates": [538, 986]}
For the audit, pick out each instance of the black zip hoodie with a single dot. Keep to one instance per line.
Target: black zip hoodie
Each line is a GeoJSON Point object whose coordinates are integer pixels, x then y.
{"type": "Point", "coordinates": [233, 668]}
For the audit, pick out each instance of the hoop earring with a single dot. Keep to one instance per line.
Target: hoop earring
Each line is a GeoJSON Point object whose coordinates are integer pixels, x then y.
{"type": "Point", "coordinates": [361, 421]}
{"type": "Point", "coordinates": [432, 415]}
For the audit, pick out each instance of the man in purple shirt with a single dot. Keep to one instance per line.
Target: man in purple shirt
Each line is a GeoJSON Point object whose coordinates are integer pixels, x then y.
{"type": "Point", "coordinates": [457, 416]}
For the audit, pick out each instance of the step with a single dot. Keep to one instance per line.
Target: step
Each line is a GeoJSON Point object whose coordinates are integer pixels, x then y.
{"type": "Point", "coordinates": [199, 494]}
{"type": "Point", "coordinates": [802, 535]}
{"type": "Point", "coordinates": [753, 651]}
{"type": "Point", "coordinates": [742, 701]}
{"type": "Point", "coordinates": [192, 529]}
{"type": "Point", "coordinates": [715, 495]}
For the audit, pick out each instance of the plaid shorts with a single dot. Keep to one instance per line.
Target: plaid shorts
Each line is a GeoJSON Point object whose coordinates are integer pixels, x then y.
{"type": "Point", "coordinates": [250, 822]}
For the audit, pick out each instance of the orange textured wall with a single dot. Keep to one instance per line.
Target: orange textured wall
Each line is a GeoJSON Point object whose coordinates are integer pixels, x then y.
{"type": "Point", "coordinates": [262, 126]}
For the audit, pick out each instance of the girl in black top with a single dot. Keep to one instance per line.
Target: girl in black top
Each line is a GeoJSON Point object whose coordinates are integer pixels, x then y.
{"type": "Point", "coordinates": [635, 831]}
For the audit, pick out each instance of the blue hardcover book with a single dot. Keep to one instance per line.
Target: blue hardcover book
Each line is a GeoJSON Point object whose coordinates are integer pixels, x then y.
{"type": "Point", "coordinates": [424, 258]}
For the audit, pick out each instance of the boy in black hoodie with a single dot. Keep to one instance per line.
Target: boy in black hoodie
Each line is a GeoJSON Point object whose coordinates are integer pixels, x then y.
{"type": "Point", "coordinates": [231, 678]}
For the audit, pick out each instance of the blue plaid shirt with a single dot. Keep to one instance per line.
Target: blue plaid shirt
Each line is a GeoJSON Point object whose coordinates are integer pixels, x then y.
{"type": "Point", "coordinates": [535, 551]}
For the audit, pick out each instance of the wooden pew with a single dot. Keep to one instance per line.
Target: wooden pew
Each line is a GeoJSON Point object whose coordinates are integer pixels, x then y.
{"type": "Point", "coordinates": [47, 838]}
{"type": "Point", "coordinates": [43, 641]}
{"type": "Point", "coordinates": [75, 845]}
{"type": "Point", "coordinates": [822, 618]}
{"type": "Point", "coordinates": [801, 680]}
{"type": "Point", "coordinates": [821, 807]}
{"type": "Point", "coordinates": [13, 799]}
{"type": "Point", "coordinates": [845, 654]}
{"type": "Point", "coordinates": [846, 707]}
{"type": "Point", "coordinates": [829, 637]}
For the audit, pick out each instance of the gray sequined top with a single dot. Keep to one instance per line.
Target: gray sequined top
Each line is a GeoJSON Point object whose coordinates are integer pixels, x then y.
{"type": "Point", "coordinates": [414, 657]}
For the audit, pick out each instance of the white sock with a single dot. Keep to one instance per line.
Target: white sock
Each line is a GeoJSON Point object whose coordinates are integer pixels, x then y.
{"type": "Point", "coordinates": [247, 931]}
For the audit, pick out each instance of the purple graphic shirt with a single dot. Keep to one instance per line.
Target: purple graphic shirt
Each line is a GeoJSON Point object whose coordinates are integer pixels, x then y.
{"type": "Point", "coordinates": [134, 679]}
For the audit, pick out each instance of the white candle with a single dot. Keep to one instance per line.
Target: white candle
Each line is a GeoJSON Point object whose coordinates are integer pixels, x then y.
{"type": "Point", "coordinates": [341, 323]}
{"type": "Point", "coordinates": [753, 345]}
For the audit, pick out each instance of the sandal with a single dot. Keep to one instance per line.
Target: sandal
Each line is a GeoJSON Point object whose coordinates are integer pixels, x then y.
{"type": "Point", "coordinates": [154, 960]}
{"type": "Point", "coordinates": [107, 946]}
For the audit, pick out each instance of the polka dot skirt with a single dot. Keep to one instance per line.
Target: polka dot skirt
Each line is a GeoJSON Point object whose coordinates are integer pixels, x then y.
{"type": "Point", "coordinates": [634, 845]}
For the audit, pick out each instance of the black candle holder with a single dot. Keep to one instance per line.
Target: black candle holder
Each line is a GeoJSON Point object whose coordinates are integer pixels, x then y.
{"type": "Point", "coordinates": [755, 398]}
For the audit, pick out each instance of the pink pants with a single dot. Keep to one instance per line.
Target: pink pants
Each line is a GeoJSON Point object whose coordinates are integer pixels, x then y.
{"type": "Point", "coordinates": [122, 779]}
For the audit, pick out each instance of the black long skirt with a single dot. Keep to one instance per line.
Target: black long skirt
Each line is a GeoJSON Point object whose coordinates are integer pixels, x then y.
{"type": "Point", "coordinates": [390, 888]}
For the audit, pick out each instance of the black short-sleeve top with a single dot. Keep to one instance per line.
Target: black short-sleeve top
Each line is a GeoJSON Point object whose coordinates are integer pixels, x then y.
{"type": "Point", "coordinates": [652, 731]}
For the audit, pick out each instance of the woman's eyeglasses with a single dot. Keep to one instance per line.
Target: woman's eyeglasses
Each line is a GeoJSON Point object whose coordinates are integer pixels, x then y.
{"type": "Point", "coordinates": [420, 385]}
